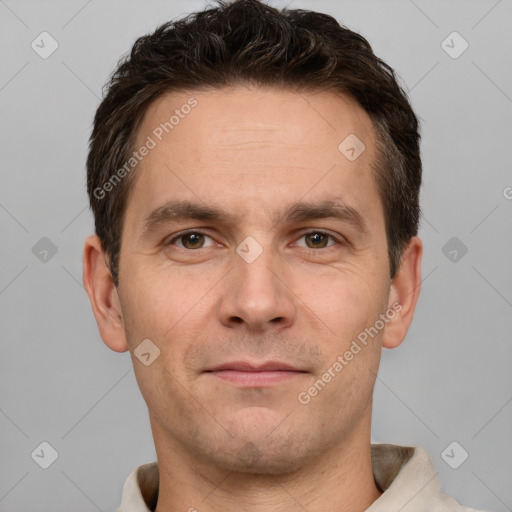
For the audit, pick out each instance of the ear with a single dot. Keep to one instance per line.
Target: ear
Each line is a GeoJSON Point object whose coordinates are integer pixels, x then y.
{"type": "Point", "coordinates": [103, 295]}
{"type": "Point", "coordinates": [403, 294]}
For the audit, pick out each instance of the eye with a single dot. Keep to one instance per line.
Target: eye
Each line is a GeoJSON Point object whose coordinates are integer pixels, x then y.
{"type": "Point", "coordinates": [317, 239]}
{"type": "Point", "coordinates": [190, 240]}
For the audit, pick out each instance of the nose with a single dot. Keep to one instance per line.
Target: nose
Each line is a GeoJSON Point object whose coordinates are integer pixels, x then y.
{"type": "Point", "coordinates": [257, 296]}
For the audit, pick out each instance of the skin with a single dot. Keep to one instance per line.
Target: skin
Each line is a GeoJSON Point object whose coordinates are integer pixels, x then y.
{"type": "Point", "coordinates": [253, 152]}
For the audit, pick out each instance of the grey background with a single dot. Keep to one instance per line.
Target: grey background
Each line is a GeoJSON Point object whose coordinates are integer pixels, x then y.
{"type": "Point", "coordinates": [449, 381]}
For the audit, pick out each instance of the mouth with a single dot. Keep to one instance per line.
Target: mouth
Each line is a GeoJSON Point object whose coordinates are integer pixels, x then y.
{"type": "Point", "coordinates": [245, 374]}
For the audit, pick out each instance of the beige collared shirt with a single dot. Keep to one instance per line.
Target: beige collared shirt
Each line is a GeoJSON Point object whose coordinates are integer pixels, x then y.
{"type": "Point", "coordinates": [405, 475]}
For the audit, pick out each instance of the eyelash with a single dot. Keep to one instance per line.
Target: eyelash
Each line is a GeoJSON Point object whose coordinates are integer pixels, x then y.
{"type": "Point", "coordinates": [196, 232]}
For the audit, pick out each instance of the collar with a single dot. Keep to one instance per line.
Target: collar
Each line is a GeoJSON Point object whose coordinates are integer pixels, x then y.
{"type": "Point", "coordinates": [404, 474]}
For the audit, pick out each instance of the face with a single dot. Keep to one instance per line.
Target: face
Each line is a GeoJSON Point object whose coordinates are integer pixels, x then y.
{"type": "Point", "coordinates": [249, 236]}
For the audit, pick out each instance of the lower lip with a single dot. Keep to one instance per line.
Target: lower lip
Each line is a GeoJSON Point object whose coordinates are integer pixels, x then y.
{"type": "Point", "coordinates": [248, 379]}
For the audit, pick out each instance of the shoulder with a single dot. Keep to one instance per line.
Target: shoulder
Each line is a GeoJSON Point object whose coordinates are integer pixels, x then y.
{"type": "Point", "coordinates": [409, 481]}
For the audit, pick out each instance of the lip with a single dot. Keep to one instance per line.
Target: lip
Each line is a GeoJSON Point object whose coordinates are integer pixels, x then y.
{"type": "Point", "coordinates": [244, 366]}
{"type": "Point", "coordinates": [244, 374]}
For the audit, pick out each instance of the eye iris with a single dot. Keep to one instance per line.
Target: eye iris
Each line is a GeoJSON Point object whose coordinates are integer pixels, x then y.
{"type": "Point", "coordinates": [317, 238]}
{"type": "Point", "coordinates": [193, 239]}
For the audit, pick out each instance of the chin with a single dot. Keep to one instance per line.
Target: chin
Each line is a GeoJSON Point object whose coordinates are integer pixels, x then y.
{"type": "Point", "coordinates": [259, 460]}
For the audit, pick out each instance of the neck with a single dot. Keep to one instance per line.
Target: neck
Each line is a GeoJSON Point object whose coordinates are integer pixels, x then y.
{"type": "Point", "coordinates": [339, 479]}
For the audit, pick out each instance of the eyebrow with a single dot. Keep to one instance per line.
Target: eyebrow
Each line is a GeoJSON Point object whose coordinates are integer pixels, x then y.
{"type": "Point", "coordinates": [179, 210]}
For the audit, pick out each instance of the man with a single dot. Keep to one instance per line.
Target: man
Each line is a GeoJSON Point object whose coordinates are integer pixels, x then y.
{"type": "Point", "coordinates": [255, 177]}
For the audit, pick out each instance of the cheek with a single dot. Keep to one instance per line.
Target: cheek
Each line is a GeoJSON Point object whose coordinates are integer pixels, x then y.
{"type": "Point", "coordinates": [351, 355]}
{"type": "Point", "coordinates": [158, 301]}
{"type": "Point", "coordinates": [346, 302]}
{"type": "Point", "coordinates": [168, 309]}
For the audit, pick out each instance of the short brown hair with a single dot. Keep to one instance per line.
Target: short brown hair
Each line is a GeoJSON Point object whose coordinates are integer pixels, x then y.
{"type": "Point", "coordinates": [248, 42]}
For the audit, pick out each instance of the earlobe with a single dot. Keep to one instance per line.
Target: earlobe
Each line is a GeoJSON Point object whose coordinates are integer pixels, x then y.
{"type": "Point", "coordinates": [404, 293]}
{"type": "Point", "coordinates": [103, 295]}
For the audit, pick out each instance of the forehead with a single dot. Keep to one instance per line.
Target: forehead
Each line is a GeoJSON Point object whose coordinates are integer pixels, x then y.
{"type": "Point", "coordinates": [235, 115]}
{"type": "Point", "coordinates": [254, 150]}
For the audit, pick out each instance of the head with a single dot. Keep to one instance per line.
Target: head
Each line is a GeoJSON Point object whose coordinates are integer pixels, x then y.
{"type": "Point", "coordinates": [290, 154]}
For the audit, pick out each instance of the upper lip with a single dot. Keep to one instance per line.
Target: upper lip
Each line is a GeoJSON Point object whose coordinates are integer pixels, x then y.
{"type": "Point", "coordinates": [245, 366]}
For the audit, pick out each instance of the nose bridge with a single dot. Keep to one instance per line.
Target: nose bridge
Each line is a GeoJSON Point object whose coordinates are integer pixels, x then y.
{"type": "Point", "coordinates": [257, 292]}
{"type": "Point", "coordinates": [258, 263]}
